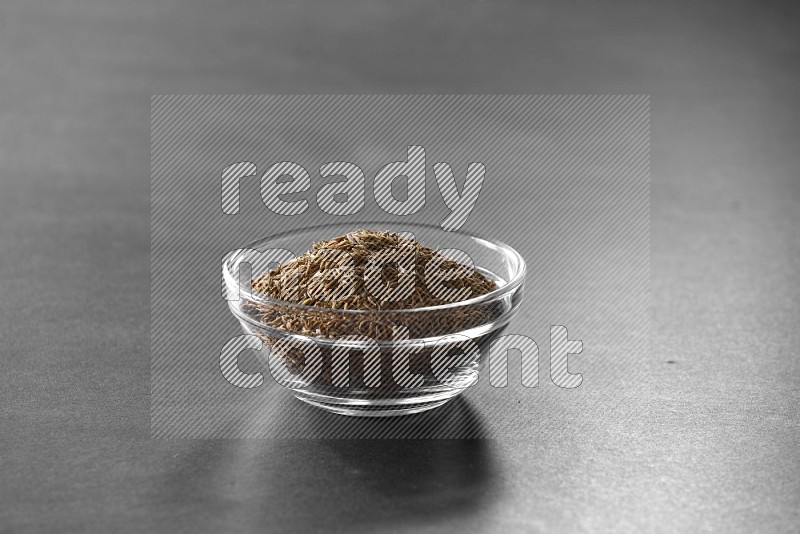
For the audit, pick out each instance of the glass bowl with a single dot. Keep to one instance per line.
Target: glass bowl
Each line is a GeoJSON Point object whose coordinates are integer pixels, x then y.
{"type": "Point", "coordinates": [390, 361]}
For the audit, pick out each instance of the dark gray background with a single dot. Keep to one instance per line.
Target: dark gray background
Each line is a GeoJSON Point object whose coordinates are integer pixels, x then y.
{"type": "Point", "coordinates": [708, 442]}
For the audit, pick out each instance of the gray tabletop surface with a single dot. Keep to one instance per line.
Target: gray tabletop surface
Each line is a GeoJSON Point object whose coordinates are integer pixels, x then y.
{"type": "Point", "coordinates": [705, 439]}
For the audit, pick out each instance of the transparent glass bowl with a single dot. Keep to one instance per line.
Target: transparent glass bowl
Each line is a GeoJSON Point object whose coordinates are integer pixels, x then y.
{"type": "Point", "coordinates": [432, 354]}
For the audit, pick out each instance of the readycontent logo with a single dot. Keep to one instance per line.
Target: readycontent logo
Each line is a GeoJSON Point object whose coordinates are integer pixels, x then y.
{"type": "Point", "coordinates": [451, 356]}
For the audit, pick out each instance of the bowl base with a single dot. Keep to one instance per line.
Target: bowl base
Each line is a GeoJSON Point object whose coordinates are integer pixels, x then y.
{"type": "Point", "coordinates": [361, 410]}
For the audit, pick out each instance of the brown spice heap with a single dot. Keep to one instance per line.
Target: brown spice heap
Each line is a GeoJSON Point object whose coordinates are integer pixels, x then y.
{"type": "Point", "coordinates": [342, 274]}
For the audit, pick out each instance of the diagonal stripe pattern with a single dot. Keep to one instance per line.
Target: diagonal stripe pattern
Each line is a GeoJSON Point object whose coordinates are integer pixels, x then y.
{"type": "Point", "coordinates": [563, 178]}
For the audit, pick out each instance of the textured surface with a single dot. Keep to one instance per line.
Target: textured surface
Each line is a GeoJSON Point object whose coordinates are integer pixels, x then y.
{"type": "Point", "coordinates": [702, 437]}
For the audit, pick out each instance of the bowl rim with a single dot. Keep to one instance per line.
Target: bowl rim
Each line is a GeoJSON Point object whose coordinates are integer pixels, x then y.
{"type": "Point", "coordinates": [235, 257]}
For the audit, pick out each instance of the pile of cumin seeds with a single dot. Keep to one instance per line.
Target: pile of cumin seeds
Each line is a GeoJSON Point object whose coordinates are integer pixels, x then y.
{"type": "Point", "coordinates": [339, 267]}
